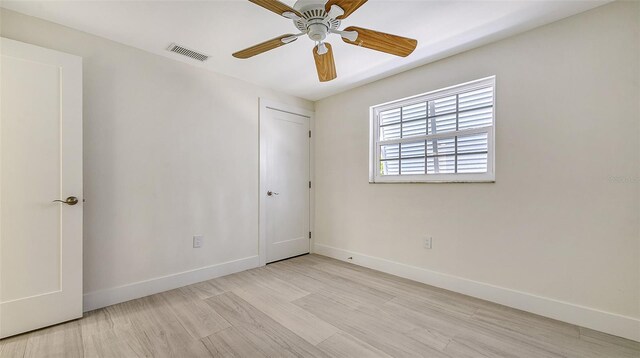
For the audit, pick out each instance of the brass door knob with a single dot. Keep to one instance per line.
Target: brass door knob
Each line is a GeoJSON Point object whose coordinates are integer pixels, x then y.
{"type": "Point", "coordinates": [72, 200]}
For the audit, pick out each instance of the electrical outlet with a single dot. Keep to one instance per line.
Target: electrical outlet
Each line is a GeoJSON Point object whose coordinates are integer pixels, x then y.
{"type": "Point", "coordinates": [197, 241]}
{"type": "Point", "coordinates": [428, 242]}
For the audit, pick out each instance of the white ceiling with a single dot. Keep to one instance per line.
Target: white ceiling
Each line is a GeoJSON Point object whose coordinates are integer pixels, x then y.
{"type": "Point", "coordinates": [219, 28]}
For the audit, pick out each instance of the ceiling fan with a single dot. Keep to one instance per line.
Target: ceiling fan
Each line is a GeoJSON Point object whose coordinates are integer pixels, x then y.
{"type": "Point", "coordinates": [320, 18]}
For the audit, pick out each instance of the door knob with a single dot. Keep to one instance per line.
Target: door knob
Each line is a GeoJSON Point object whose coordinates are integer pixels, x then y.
{"type": "Point", "coordinates": [270, 193]}
{"type": "Point", "coordinates": [72, 200]}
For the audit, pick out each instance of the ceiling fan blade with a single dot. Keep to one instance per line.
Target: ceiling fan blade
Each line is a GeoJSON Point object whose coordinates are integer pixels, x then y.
{"type": "Point", "coordinates": [276, 6]}
{"type": "Point", "coordinates": [349, 6]}
{"type": "Point", "coordinates": [325, 64]}
{"type": "Point", "coordinates": [263, 47]}
{"type": "Point", "coordinates": [380, 41]}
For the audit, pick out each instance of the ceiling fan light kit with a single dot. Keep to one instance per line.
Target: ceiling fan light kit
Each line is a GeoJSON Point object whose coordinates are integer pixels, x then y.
{"type": "Point", "coordinates": [318, 19]}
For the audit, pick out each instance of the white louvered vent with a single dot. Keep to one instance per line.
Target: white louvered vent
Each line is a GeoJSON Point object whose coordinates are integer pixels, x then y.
{"type": "Point", "coordinates": [189, 53]}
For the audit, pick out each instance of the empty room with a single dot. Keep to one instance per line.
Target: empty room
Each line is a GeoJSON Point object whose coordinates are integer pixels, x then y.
{"type": "Point", "coordinates": [320, 178]}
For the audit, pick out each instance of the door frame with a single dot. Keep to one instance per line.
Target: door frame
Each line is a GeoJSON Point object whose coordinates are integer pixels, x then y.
{"type": "Point", "coordinates": [266, 104]}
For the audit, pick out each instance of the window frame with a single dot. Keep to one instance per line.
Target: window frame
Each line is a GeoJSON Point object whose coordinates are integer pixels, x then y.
{"type": "Point", "coordinates": [375, 143]}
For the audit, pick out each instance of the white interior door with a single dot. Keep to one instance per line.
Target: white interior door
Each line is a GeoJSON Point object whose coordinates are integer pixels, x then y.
{"type": "Point", "coordinates": [285, 185]}
{"type": "Point", "coordinates": [40, 161]}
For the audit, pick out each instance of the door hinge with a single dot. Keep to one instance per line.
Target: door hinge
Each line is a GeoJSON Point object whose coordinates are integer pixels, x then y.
{"type": "Point", "coordinates": [309, 134]}
{"type": "Point", "coordinates": [309, 234]}
{"type": "Point", "coordinates": [309, 185]}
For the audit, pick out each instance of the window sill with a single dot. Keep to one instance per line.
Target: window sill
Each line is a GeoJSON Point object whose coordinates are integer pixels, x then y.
{"type": "Point", "coordinates": [435, 182]}
{"type": "Point", "coordinates": [439, 179]}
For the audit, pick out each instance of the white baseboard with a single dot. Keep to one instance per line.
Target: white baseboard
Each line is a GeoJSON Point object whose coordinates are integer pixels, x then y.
{"type": "Point", "coordinates": [618, 325]}
{"type": "Point", "coordinates": [111, 296]}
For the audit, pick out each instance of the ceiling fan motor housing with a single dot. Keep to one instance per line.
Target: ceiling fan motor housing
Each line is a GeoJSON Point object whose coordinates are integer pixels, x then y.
{"type": "Point", "coordinates": [317, 32]}
{"type": "Point", "coordinates": [314, 21]}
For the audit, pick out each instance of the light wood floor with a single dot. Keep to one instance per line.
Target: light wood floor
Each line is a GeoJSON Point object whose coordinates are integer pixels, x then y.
{"type": "Point", "coordinates": [313, 306]}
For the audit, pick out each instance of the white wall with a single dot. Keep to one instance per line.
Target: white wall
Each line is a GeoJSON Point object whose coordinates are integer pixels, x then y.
{"type": "Point", "coordinates": [171, 150]}
{"type": "Point", "coordinates": [562, 220]}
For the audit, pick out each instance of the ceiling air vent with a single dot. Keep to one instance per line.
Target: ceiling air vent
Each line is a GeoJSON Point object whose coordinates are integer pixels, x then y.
{"type": "Point", "coordinates": [189, 53]}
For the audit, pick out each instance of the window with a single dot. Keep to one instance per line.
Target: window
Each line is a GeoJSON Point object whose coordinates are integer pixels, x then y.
{"type": "Point", "coordinates": [440, 136]}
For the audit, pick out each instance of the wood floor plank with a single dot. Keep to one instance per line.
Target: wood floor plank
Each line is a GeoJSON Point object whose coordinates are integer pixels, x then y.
{"type": "Point", "coordinates": [173, 341]}
{"type": "Point", "coordinates": [463, 329]}
{"type": "Point", "coordinates": [318, 307]}
{"type": "Point", "coordinates": [104, 337]}
{"type": "Point", "coordinates": [607, 339]}
{"type": "Point", "coordinates": [230, 343]}
{"type": "Point", "coordinates": [109, 344]}
{"type": "Point", "coordinates": [64, 341]}
{"type": "Point", "coordinates": [396, 286]}
{"type": "Point", "coordinates": [351, 293]}
{"type": "Point", "coordinates": [204, 289]}
{"type": "Point", "coordinates": [308, 260]}
{"type": "Point", "coordinates": [14, 346]}
{"type": "Point", "coordinates": [467, 332]}
{"type": "Point", "coordinates": [442, 325]}
{"type": "Point", "coordinates": [500, 346]}
{"type": "Point", "coordinates": [301, 322]}
{"type": "Point", "coordinates": [198, 318]}
{"type": "Point", "coordinates": [285, 273]}
{"type": "Point", "coordinates": [339, 282]}
{"type": "Point", "coordinates": [158, 330]}
{"type": "Point", "coordinates": [430, 337]}
{"type": "Point", "coordinates": [525, 322]}
{"type": "Point", "coordinates": [343, 345]}
{"type": "Point", "coordinates": [263, 278]}
{"type": "Point", "coordinates": [265, 334]}
{"type": "Point", "coordinates": [277, 287]}
{"type": "Point", "coordinates": [385, 335]}
{"type": "Point", "coordinates": [584, 347]}
{"type": "Point", "coordinates": [459, 350]}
